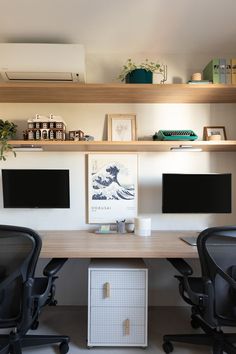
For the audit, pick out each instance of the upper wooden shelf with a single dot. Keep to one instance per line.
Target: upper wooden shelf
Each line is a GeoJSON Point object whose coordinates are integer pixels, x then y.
{"type": "Point", "coordinates": [116, 146]}
{"type": "Point", "coordinates": [116, 93]}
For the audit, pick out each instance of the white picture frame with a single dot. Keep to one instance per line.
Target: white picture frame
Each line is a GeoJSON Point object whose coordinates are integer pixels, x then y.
{"type": "Point", "coordinates": [121, 127]}
{"type": "Point", "coordinates": [112, 187]}
{"type": "Point", "coordinates": [214, 131]}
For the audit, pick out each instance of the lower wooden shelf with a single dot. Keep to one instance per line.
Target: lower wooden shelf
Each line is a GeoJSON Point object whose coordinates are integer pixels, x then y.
{"type": "Point", "coordinates": [131, 146]}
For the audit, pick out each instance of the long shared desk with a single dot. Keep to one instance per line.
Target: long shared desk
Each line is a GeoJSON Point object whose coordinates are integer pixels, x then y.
{"type": "Point", "coordinates": [86, 244]}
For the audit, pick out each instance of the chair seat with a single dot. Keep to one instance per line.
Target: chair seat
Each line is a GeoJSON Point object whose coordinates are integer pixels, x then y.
{"type": "Point", "coordinates": [212, 296]}
{"type": "Point", "coordinates": [22, 295]}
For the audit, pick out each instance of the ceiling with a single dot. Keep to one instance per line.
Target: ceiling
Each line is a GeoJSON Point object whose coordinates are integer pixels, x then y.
{"type": "Point", "coordinates": [163, 26]}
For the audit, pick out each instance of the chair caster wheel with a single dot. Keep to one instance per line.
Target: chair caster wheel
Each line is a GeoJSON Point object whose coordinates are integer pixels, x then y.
{"type": "Point", "coordinates": [64, 348]}
{"type": "Point", "coordinates": [34, 325]}
{"type": "Point", "coordinates": [195, 324]}
{"type": "Point", "coordinates": [167, 347]}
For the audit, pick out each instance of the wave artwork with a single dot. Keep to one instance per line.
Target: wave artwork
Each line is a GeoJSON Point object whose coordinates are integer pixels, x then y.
{"type": "Point", "coordinates": [106, 184]}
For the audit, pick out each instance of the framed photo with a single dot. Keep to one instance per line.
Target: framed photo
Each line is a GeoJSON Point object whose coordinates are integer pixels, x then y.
{"type": "Point", "coordinates": [121, 127]}
{"type": "Point", "coordinates": [112, 187]}
{"type": "Point", "coordinates": [214, 133]}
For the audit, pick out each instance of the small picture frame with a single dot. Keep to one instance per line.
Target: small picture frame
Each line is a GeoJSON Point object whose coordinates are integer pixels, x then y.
{"type": "Point", "coordinates": [121, 127]}
{"type": "Point", "coordinates": [214, 133]}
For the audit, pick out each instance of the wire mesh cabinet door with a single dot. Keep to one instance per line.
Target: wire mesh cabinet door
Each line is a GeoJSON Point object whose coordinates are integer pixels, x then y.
{"type": "Point", "coordinates": [117, 303]}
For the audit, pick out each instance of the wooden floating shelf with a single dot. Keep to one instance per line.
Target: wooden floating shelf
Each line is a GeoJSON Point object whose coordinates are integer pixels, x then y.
{"type": "Point", "coordinates": [132, 146]}
{"type": "Point", "coordinates": [116, 93]}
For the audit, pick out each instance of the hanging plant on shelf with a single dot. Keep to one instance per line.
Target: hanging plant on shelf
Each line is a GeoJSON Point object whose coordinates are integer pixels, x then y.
{"type": "Point", "coordinates": [142, 73]}
{"type": "Point", "coordinates": [7, 131]}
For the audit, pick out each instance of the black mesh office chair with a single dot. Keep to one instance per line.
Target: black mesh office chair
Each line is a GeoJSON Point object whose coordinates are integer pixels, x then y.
{"type": "Point", "coordinates": [213, 295]}
{"type": "Point", "coordinates": [22, 295]}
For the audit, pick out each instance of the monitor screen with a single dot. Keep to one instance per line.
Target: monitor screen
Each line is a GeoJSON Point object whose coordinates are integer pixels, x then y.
{"type": "Point", "coordinates": [196, 193]}
{"type": "Point", "coordinates": [35, 188]}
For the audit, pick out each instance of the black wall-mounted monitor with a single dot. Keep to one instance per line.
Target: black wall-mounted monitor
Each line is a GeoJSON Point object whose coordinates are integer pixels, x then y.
{"type": "Point", "coordinates": [196, 193]}
{"type": "Point", "coordinates": [25, 188]}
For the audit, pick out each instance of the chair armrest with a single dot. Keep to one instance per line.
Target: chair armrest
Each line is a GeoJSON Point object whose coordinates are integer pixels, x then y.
{"type": "Point", "coordinates": [54, 266]}
{"type": "Point", "coordinates": [197, 298]}
{"type": "Point", "coordinates": [181, 265]}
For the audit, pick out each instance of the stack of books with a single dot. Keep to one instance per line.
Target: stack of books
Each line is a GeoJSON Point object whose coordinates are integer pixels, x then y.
{"type": "Point", "coordinates": [220, 71]}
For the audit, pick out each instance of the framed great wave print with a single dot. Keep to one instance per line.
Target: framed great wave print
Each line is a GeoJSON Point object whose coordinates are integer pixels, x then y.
{"type": "Point", "coordinates": [112, 187]}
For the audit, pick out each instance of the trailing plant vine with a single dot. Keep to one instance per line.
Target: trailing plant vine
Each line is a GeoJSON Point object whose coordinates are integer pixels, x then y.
{"type": "Point", "coordinates": [7, 131]}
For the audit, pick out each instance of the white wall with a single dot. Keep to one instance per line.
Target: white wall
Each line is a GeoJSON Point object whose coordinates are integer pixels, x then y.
{"type": "Point", "coordinates": [91, 118]}
{"type": "Point", "coordinates": [150, 118]}
{"type": "Point", "coordinates": [106, 66]}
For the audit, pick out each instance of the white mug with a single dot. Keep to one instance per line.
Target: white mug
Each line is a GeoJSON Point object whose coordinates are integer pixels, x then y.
{"type": "Point", "coordinates": [142, 226]}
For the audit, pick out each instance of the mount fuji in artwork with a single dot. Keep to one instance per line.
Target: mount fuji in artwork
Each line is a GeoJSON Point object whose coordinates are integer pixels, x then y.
{"type": "Point", "coordinates": [106, 185]}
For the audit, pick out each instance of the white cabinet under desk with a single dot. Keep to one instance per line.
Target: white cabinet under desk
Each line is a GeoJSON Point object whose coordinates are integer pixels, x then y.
{"type": "Point", "coordinates": [117, 302]}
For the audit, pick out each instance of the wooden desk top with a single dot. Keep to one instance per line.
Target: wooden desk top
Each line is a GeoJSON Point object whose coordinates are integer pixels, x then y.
{"type": "Point", "coordinates": [85, 244]}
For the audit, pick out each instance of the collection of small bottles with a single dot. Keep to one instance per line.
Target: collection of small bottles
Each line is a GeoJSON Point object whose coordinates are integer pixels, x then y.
{"type": "Point", "coordinates": [45, 130]}
{"type": "Point", "coordinates": [45, 134]}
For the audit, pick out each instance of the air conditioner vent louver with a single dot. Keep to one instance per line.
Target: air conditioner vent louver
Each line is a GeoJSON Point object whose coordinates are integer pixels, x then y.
{"type": "Point", "coordinates": [41, 76]}
{"type": "Point", "coordinates": [42, 62]}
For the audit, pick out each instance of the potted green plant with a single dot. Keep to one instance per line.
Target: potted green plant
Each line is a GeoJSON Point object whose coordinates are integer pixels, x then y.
{"type": "Point", "coordinates": [7, 131]}
{"type": "Point", "coordinates": [142, 73]}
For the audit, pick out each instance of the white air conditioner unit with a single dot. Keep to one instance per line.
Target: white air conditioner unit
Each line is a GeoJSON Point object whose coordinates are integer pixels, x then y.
{"type": "Point", "coordinates": [42, 62]}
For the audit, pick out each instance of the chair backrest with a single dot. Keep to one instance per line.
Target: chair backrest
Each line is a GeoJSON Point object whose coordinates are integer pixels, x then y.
{"type": "Point", "coordinates": [19, 252]}
{"type": "Point", "coordinates": [217, 253]}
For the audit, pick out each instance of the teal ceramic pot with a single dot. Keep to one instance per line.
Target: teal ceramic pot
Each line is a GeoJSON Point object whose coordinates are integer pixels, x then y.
{"type": "Point", "coordinates": [139, 76]}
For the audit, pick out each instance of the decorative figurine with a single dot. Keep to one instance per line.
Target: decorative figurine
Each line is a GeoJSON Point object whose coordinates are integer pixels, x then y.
{"type": "Point", "coordinates": [45, 128]}
{"type": "Point", "coordinates": [76, 135]}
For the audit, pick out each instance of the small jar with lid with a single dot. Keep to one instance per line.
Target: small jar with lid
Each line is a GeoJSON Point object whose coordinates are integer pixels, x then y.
{"type": "Point", "coordinates": [44, 134]}
{"type": "Point", "coordinates": [38, 134]}
{"type": "Point", "coordinates": [51, 134]}
{"type": "Point", "coordinates": [30, 135]}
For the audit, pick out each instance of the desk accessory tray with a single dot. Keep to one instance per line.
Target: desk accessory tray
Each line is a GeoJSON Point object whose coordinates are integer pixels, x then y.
{"type": "Point", "coordinates": [105, 232]}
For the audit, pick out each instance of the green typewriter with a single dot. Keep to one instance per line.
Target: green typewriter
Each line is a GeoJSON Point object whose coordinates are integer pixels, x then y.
{"type": "Point", "coordinates": [175, 135]}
